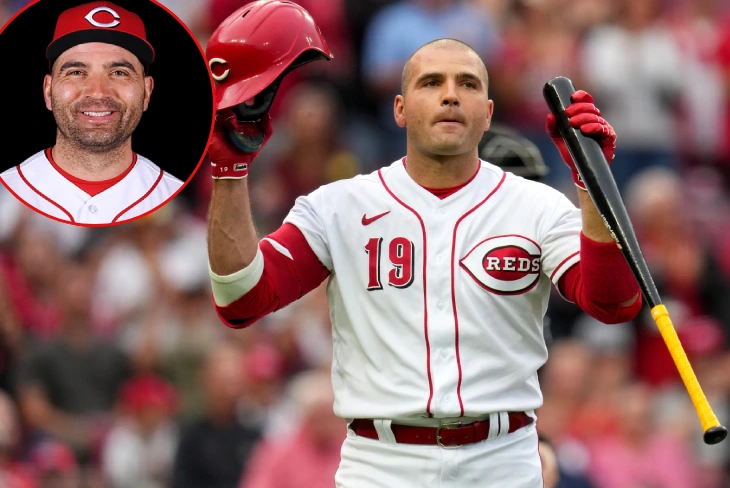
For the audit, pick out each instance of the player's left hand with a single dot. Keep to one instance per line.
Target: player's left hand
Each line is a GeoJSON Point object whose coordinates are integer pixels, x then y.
{"type": "Point", "coordinates": [585, 116]}
{"type": "Point", "coordinates": [235, 144]}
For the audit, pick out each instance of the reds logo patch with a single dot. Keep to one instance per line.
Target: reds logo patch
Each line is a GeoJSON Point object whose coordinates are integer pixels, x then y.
{"type": "Point", "coordinates": [222, 62]}
{"type": "Point", "coordinates": [91, 20]}
{"type": "Point", "coordinates": [506, 265]}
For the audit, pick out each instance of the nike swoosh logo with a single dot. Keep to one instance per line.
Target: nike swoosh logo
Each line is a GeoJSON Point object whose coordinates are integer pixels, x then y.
{"type": "Point", "coordinates": [368, 221]}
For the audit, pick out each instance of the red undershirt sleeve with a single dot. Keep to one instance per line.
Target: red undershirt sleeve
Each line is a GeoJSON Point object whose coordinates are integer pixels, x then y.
{"type": "Point", "coordinates": [291, 270]}
{"type": "Point", "coordinates": [600, 281]}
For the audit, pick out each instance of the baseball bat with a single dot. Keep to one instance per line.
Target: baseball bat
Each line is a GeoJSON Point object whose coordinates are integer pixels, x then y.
{"type": "Point", "coordinates": [596, 174]}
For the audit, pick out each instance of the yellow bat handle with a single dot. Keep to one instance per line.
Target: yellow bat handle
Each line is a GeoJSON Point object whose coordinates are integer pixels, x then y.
{"type": "Point", "coordinates": [714, 432]}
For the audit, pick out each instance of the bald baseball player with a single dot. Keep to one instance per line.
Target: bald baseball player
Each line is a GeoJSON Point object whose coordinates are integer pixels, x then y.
{"type": "Point", "coordinates": [439, 269]}
{"type": "Point", "coordinates": [97, 89]}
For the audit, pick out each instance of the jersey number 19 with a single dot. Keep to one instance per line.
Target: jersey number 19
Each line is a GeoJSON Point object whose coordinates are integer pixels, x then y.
{"type": "Point", "coordinates": [401, 253]}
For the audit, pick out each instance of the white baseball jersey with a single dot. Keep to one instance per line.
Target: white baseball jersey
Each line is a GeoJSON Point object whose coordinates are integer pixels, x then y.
{"type": "Point", "coordinates": [37, 183]}
{"type": "Point", "coordinates": [437, 305]}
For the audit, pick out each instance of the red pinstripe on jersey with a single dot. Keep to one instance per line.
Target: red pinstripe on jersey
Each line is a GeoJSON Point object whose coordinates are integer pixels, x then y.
{"type": "Point", "coordinates": [453, 279]}
{"type": "Point", "coordinates": [562, 263]}
{"type": "Point", "coordinates": [57, 205]}
{"type": "Point", "coordinates": [425, 302]}
{"type": "Point", "coordinates": [157, 182]}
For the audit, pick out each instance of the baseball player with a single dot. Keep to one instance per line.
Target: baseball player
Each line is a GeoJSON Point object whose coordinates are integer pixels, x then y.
{"type": "Point", "coordinates": [98, 89]}
{"type": "Point", "coordinates": [439, 266]}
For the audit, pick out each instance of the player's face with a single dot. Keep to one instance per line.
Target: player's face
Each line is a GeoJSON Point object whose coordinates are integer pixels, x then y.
{"type": "Point", "coordinates": [446, 109]}
{"type": "Point", "coordinates": [97, 93]}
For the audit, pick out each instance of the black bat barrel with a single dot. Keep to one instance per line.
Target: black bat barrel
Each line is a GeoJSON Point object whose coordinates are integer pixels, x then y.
{"type": "Point", "coordinates": [596, 174]}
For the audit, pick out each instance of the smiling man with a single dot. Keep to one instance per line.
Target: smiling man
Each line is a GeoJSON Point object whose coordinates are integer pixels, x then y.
{"type": "Point", "coordinates": [98, 89]}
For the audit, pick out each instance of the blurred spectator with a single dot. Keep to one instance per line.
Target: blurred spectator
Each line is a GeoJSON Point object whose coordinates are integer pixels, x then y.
{"type": "Point", "coordinates": [55, 465]}
{"type": "Point", "coordinates": [214, 450]}
{"type": "Point", "coordinates": [538, 45]}
{"type": "Point", "coordinates": [308, 330]}
{"type": "Point", "coordinates": [13, 474]}
{"type": "Point", "coordinates": [310, 456]}
{"type": "Point", "coordinates": [67, 386]}
{"type": "Point", "coordinates": [191, 331]}
{"type": "Point", "coordinates": [167, 324]}
{"type": "Point", "coordinates": [11, 335]}
{"type": "Point", "coordinates": [498, 10]}
{"type": "Point", "coordinates": [398, 30]}
{"type": "Point", "coordinates": [566, 388]}
{"type": "Point", "coordinates": [140, 448]}
{"type": "Point", "coordinates": [263, 371]}
{"type": "Point", "coordinates": [632, 457]}
{"type": "Point", "coordinates": [685, 271]}
{"type": "Point", "coordinates": [723, 57]}
{"type": "Point", "coordinates": [632, 68]}
{"type": "Point", "coordinates": [313, 153]}
{"type": "Point", "coordinates": [695, 28]}
{"type": "Point", "coordinates": [565, 379]}
{"type": "Point", "coordinates": [133, 256]}
{"type": "Point", "coordinates": [33, 270]}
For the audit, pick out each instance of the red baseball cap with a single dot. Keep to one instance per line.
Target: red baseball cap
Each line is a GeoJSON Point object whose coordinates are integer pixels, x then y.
{"type": "Point", "coordinates": [148, 391]}
{"type": "Point", "coordinates": [101, 22]}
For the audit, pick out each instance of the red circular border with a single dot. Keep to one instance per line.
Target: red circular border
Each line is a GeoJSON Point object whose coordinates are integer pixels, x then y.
{"type": "Point", "coordinates": [197, 167]}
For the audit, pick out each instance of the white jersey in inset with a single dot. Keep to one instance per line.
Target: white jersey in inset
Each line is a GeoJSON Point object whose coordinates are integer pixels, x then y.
{"type": "Point", "coordinates": [38, 184]}
{"type": "Point", "coordinates": [437, 305]}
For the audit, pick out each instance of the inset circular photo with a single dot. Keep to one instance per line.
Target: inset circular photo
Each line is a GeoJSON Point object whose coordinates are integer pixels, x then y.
{"type": "Point", "coordinates": [109, 108]}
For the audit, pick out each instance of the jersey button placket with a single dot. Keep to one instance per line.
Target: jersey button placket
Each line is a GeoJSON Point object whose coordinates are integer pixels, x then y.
{"type": "Point", "coordinates": [93, 209]}
{"type": "Point", "coordinates": [441, 331]}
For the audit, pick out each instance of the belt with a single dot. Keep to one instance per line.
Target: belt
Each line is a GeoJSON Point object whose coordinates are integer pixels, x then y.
{"type": "Point", "coordinates": [452, 434]}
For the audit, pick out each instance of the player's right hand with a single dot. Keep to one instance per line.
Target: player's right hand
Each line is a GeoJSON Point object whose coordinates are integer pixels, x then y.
{"type": "Point", "coordinates": [235, 144]}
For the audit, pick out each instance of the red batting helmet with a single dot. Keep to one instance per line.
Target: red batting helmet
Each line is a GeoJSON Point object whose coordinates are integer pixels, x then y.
{"type": "Point", "coordinates": [258, 44]}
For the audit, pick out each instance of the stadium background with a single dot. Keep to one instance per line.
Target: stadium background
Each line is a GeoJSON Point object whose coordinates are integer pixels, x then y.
{"type": "Point", "coordinates": [115, 371]}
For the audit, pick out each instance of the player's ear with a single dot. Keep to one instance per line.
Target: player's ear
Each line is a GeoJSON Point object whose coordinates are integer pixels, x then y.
{"type": "Point", "coordinates": [47, 91]}
{"type": "Point", "coordinates": [488, 120]}
{"type": "Point", "coordinates": [149, 84]}
{"type": "Point", "coordinates": [399, 107]}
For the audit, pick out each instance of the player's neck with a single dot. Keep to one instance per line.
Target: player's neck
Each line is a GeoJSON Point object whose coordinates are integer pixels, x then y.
{"type": "Point", "coordinates": [441, 171]}
{"type": "Point", "coordinates": [89, 165]}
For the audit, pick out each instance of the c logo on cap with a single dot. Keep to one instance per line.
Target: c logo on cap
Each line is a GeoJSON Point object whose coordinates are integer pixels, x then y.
{"type": "Point", "coordinates": [218, 61]}
{"type": "Point", "coordinates": [114, 23]}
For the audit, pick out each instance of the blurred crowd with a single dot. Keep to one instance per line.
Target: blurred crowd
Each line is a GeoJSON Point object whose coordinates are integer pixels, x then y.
{"type": "Point", "coordinates": [115, 371]}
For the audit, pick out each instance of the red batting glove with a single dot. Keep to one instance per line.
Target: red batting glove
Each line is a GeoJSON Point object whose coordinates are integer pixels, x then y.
{"type": "Point", "coordinates": [584, 115]}
{"type": "Point", "coordinates": [236, 144]}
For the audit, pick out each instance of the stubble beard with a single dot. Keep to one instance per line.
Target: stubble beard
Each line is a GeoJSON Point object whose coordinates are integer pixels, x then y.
{"type": "Point", "coordinates": [445, 144]}
{"type": "Point", "coordinates": [99, 140]}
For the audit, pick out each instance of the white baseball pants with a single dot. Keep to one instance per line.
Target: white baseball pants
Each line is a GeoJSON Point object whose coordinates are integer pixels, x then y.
{"type": "Point", "coordinates": [512, 461]}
